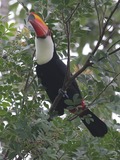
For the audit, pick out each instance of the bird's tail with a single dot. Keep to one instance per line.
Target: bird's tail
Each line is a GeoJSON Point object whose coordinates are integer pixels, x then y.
{"type": "Point", "coordinates": [96, 126]}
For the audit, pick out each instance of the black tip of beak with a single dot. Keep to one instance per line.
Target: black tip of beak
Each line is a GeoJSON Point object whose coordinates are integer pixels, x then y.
{"type": "Point", "coordinates": [31, 17]}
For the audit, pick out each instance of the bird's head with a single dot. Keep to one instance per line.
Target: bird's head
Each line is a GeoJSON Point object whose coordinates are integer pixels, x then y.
{"type": "Point", "coordinates": [43, 40]}
{"type": "Point", "coordinates": [41, 29]}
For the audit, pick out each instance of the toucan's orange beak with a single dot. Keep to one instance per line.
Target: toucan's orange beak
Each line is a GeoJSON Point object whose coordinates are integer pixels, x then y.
{"type": "Point", "coordinates": [41, 29]}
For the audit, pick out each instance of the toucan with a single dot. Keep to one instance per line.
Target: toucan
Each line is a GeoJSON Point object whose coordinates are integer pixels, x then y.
{"type": "Point", "coordinates": [51, 71]}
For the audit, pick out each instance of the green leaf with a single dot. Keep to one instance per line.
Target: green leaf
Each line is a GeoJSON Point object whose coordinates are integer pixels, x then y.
{"type": "Point", "coordinates": [2, 28]}
{"type": "Point", "coordinates": [3, 112]}
{"type": "Point", "coordinates": [76, 99]}
{"type": "Point", "coordinates": [5, 104]}
{"type": "Point", "coordinates": [11, 25]}
{"type": "Point", "coordinates": [5, 38]}
{"type": "Point", "coordinates": [10, 34]}
{"type": "Point", "coordinates": [69, 102]}
{"type": "Point", "coordinates": [88, 119]}
{"type": "Point", "coordinates": [6, 25]}
{"type": "Point", "coordinates": [12, 29]}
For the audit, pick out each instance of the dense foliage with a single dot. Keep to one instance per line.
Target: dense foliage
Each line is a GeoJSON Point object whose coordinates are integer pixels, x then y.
{"type": "Point", "coordinates": [24, 129]}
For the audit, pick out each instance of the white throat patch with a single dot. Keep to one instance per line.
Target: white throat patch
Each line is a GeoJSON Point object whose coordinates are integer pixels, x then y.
{"type": "Point", "coordinates": [44, 49]}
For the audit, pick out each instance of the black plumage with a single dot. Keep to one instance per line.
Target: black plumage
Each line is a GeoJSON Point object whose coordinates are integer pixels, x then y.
{"type": "Point", "coordinates": [52, 76]}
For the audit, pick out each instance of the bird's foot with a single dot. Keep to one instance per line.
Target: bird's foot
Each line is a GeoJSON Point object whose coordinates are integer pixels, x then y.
{"type": "Point", "coordinates": [64, 93]}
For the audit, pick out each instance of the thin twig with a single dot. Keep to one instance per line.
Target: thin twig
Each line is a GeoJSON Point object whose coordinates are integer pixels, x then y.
{"type": "Point", "coordinates": [61, 156]}
{"type": "Point", "coordinates": [104, 70]}
{"type": "Point", "coordinates": [113, 45]}
{"type": "Point", "coordinates": [98, 16]}
{"type": "Point", "coordinates": [103, 13]}
{"type": "Point", "coordinates": [106, 42]}
{"type": "Point", "coordinates": [68, 50]}
{"type": "Point", "coordinates": [104, 89]}
{"type": "Point", "coordinates": [28, 76]}
{"type": "Point", "coordinates": [27, 84]}
{"type": "Point", "coordinates": [68, 44]}
{"type": "Point", "coordinates": [6, 155]}
{"type": "Point", "coordinates": [26, 9]}
{"type": "Point", "coordinates": [116, 50]}
{"type": "Point", "coordinates": [27, 80]}
{"type": "Point", "coordinates": [73, 117]}
{"type": "Point", "coordinates": [78, 114]}
{"type": "Point", "coordinates": [73, 12]}
{"type": "Point", "coordinates": [112, 52]}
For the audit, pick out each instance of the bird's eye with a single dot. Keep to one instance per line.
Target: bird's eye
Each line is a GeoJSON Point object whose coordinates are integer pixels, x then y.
{"type": "Point", "coordinates": [31, 17]}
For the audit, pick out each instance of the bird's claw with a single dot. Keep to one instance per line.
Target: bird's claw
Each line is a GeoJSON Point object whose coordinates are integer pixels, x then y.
{"type": "Point", "coordinates": [64, 93]}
